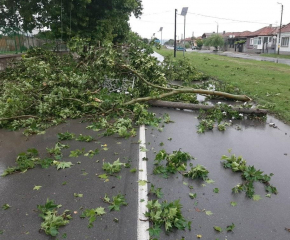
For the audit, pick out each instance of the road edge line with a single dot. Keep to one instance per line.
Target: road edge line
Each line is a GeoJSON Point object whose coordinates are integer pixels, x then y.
{"type": "Point", "coordinates": [142, 226]}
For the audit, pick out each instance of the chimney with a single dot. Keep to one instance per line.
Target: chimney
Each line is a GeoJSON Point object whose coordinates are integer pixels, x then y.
{"type": "Point", "coordinates": [270, 25]}
{"type": "Point", "coordinates": [224, 32]}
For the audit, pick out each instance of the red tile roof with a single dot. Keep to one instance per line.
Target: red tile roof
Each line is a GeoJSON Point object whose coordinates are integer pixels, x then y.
{"type": "Point", "coordinates": [265, 31]}
{"type": "Point", "coordinates": [285, 28]}
{"type": "Point", "coordinates": [237, 34]}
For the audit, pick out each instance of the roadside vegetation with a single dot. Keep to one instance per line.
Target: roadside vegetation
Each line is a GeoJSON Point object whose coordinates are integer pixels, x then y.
{"type": "Point", "coordinates": [266, 83]}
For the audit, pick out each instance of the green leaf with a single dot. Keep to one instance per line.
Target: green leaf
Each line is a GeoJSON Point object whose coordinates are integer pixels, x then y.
{"type": "Point", "coordinates": [83, 138]}
{"type": "Point", "coordinates": [6, 206]}
{"type": "Point", "coordinates": [65, 136]}
{"type": "Point", "coordinates": [257, 197]}
{"type": "Point", "coordinates": [37, 187]}
{"type": "Point", "coordinates": [192, 195]}
{"type": "Point", "coordinates": [268, 195]}
{"type": "Point", "coordinates": [78, 195]}
{"type": "Point", "coordinates": [103, 176]}
{"type": "Point", "coordinates": [233, 204]}
{"type": "Point", "coordinates": [185, 183]}
{"type": "Point", "coordinates": [63, 165]}
{"type": "Point", "coordinates": [218, 229]}
{"type": "Point", "coordinates": [230, 228]}
{"type": "Point", "coordinates": [154, 231]}
{"type": "Point", "coordinates": [116, 203]}
{"type": "Point", "coordinates": [133, 170]}
{"type": "Point", "coordinates": [208, 213]}
{"type": "Point", "coordinates": [209, 181]}
{"type": "Point", "coordinates": [100, 211]}
{"type": "Point", "coordinates": [142, 182]}
{"type": "Point", "coordinates": [142, 200]}
{"type": "Point", "coordinates": [216, 190]}
{"type": "Point", "coordinates": [1, 231]}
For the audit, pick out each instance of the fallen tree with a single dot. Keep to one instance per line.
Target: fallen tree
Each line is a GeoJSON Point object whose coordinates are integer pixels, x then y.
{"type": "Point", "coordinates": [43, 89]}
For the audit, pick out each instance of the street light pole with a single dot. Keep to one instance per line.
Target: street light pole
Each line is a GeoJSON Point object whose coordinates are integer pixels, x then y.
{"type": "Point", "coordinates": [160, 30]}
{"type": "Point", "coordinates": [279, 43]}
{"type": "Point", "coordinates": [183, 13]}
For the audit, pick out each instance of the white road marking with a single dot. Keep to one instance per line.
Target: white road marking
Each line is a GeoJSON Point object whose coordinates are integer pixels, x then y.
{"type": "Point", "coordinates": [142, 226]}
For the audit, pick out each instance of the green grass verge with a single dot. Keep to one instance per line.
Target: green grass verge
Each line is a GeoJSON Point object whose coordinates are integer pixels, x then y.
{"type": "Point", "coordinates": [275, 55]}
{"type": "Point", "coordinates": [266, 83]}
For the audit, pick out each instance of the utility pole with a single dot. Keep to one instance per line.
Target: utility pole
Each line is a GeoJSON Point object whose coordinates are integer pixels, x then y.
{"type": "Point", "coordinates": [217, 28]}
{"type": "Point", "coordinates": [175, 14]}
{"type": "Point", "coordinates": [279, 43]}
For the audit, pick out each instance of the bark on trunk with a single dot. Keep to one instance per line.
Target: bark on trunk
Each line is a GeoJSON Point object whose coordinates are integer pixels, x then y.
{"type": "Point", "coordinates": [159, 103]}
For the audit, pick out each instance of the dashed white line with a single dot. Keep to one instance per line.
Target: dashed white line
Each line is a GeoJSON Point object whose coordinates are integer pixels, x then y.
{"type": "Point", "coordinates": [142, 226]}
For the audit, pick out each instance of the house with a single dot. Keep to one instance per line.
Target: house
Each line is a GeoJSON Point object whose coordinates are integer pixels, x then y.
{"type": "Point", "coordinates": [235, 41]}
{"type": "Point", "coordinates": [285, 40]}
{"type": "Point", "coordinates": [262, 40]}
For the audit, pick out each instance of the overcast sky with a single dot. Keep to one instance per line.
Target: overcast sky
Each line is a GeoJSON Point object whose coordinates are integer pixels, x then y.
{"type": "Point", "coordinates": [160, 13]}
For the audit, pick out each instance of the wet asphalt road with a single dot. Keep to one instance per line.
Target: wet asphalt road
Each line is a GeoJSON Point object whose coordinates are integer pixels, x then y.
{"type": "Point", "coordinates": [261, 145]}
{"type": "Point", "coordinates": [21, 221]}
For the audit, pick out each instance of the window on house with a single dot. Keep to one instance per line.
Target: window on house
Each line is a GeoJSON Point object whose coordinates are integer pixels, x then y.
{"type": "Point", "coordinates": [255, 41]}
{"type": "Point", "coordinates": [270, 39]}
{"type": "Point", "coordinates": [285, 41]}
{"type": "Point", "coordinates": [251, 41]}
{"type": "Point", "coordinates": [259, 40]}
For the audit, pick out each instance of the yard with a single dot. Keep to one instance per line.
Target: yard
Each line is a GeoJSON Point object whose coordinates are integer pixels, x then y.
{"type": "Point", "coordinates": [267, 83]}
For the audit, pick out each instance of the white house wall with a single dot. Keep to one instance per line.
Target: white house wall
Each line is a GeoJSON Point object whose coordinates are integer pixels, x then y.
{"type": "Point", "coordinates": [284, 50]}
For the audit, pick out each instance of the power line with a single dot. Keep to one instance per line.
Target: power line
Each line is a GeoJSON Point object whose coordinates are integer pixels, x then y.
{"type": "Point", "coordinates": [227, 19]}
{"type": "Point", "coordinates": [149, 14]}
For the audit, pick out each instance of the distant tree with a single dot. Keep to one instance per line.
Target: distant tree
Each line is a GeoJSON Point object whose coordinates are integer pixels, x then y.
{"type": "Point", "coordinates": [170, 42]}
{"type": "Point", "coordinates": [199, 43]}
{"type": "Point", "coordinates": [215, 40]}
{"type": "Point", "coordinates": [145, 40]}
{"type": "Point", "coordinates": [187, 45]}
{"type": "Point", "coordinates": [91, 19]}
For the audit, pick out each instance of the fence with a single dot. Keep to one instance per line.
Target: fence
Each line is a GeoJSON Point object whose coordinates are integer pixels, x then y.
{"type": "Point", "coordinates": [19, 42]}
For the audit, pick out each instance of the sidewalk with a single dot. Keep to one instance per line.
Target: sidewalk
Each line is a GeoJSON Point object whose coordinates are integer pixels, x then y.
{"type": "Point", "coordinates": [251, 56]}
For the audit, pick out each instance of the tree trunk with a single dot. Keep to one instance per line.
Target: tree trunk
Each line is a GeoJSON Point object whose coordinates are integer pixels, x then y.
{"type": "Point", "coordinates": [158, 103]}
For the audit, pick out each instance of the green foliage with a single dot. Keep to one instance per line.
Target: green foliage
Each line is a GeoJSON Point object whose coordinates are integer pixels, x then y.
{"type": "Point", "coordinates": [84, 138]}
{"type": "Point", "coordinates": [104, 21]}
{"type": "Point", "coordinates": [62, 165]}
{"type": "Point", "coordinates": [92, 153]}
{"type": "Point", "coordinates": [215, 40]}
{"type": "Point", "coordinates": [177, 161]}
{"type": "Point", "coordinates": [218, 229]}
{"type": "Point", "coordinates": [165, 214]}
{"type": "Point", "coordinates": [192, 195]}
{"type": "Point", "coordinates": [66, 136]}
{"type": "Point", "coordinates": [116, 202]}
{"type": "Point", "coordinates": [216, 190]}
{"type": "Point", "coordinates": [6, 206]}
{"type": "Point", "coordinates": [113, 168]}
{"type": "Point", "coordinates": [249, 174]}
{"type": "Point", "coordinates": [56, 151]}
{"type": "Point", "coordinates": [142, 116]}
{"type": "Point", "coordinates": [156, 191]}
{"type": "Point", "coordinates": [24, 162]}
{"type": "Point", "coordinates": [217, 114]}
{"type": "Point", "coordinates": [92, 214]}
{"type": "Point", "coordinates": [197, 172]}
{"type": "Point", "coordinates": [205, 125]}
{"type": "Point", "coordinates": [51, 219]}
{"type": "Point", "coordinates": [199, 43]}
{"type": "Point", "coordinates": [77, 152]}
{"type": "Point", "coordinates": [182, 70]}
